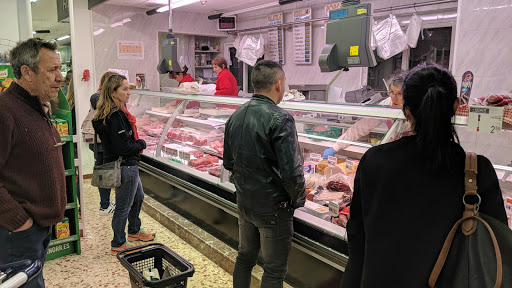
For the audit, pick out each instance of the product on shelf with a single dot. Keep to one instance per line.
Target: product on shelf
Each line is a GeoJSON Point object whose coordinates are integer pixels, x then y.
{"type": "Point", "coordinates": [62, 229]}
{"type": "Point", "coordinates": [338, 186]}
{"type": "Point", "coordinates": [61, 125]}
{"type": "Point", "coordinates": [216, 111]}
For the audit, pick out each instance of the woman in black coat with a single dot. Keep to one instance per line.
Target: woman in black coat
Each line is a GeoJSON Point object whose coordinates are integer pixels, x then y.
{"type": "Point", "coordinates": [408, 193]}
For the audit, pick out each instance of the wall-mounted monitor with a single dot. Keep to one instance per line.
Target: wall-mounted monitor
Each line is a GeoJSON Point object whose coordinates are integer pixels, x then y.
{"type": "Point", "coordinates": [226, 23]}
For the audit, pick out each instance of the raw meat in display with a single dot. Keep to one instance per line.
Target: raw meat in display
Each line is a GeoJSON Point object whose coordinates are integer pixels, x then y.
{"type": "Point", "coordinates": [173, 135]}
{"type": "Point", "coordinates": [321, 128]}
{"type": "Point", "coordinates": [197, 154]}
{"type": "Point", "coordinates": [200, 142]}
{"type": "Point", "coordinates": [215, 171]}
{"type": "Point", "coordinates": [338, 186]}
{"type": "Point", "coordinates": [199, 162]}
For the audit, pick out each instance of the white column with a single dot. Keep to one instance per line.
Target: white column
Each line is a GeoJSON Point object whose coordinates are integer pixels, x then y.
{"type": "Point", "coordinates": [9, 34]}
{"type": "Point", "coordinates": [83, 59]}
{"type": "Point", "coordinates": [24, 19]}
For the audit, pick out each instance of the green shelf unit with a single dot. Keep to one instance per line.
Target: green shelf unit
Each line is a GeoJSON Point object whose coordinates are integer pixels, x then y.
{"type": "Point", "coordinates": [68, 138]}
{"type": "Point", "coordinates": [71, 244]}
{"type": "Point", "coordinates": [69, 172]}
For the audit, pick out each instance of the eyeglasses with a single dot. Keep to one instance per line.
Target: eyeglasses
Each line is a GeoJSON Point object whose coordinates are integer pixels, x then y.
{"type": "Point", "coordinates": [391, 93]}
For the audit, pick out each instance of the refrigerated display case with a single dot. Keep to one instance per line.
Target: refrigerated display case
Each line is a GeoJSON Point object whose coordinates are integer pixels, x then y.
{"type": "Point", "coordinates": [185, 147]}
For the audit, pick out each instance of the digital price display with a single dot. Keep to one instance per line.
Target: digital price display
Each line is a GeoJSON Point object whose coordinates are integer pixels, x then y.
{"type": "Point", "coordinates": [338, 14]}
{"type": "Point", "coordinates": [227, 23]}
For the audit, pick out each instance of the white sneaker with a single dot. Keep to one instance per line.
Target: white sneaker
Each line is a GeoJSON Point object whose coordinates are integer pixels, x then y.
{"type": "Point", "coordinates": [109, 210]}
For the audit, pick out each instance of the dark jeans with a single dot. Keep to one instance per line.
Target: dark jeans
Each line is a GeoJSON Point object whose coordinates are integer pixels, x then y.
{"type": "Point", "coordinates": [129, 198]}
{"type": "Point", "coordinates": [273, 234]}
{"type": "Point", "coordinates": [104, 192]}
{"type": "Point", "coordinates": [29, 244]}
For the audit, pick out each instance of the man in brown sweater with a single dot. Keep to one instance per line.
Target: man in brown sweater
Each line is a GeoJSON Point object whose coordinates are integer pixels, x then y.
{"type": "Point", "coordinates": [32, 180]}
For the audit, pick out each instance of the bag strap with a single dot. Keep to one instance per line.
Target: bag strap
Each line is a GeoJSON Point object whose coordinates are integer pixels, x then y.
{"type": "Point", "coordinates": [468, 222]}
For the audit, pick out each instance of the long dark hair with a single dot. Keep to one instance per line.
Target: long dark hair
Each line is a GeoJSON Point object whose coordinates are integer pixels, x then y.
{"type": "Point", "coordinates": [429, 93]}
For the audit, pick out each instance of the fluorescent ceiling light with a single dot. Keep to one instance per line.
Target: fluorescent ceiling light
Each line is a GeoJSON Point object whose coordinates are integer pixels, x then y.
{"type": "Point", "coordinates": [125, 20]}
{"type": "Point", "coordinates": [268, 5]}
{"type": "Point", "coordinates": [33, 1]}
{"type": "Point", "coordinates": [98, 32]}
{"type": "Point", "coordinates": [176, 4]}
{"type": "Point", "coordinates": [63, 37]}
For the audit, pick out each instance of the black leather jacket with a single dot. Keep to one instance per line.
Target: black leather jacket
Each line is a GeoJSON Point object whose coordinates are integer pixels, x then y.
{"type": "Point", "coordinates": [262, 151]}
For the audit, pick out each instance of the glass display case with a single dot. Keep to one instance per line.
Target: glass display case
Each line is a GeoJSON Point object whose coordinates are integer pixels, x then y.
{"type": "Point", "coordinates": [184, 135]}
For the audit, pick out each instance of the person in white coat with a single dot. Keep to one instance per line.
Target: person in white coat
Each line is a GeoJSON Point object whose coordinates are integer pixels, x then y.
{"type": "Point", "coordinates": [364, 126]}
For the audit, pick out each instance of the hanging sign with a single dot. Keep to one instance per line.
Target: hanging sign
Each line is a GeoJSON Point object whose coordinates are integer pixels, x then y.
{"type": "Point", "coordinates": [302, 37]}
{"type": "Point", "coordinates": [485, 119]}
{"type": "Point", "coordinates": [276, 38]}
{"type": "Point", "coordinates": [465, 87]}
{"type": "Point", "coordinates": [275, 19]}
{"type": "Point", "coordinates": [332, 6]}
{"type": "Point", "coordinates": [130, 50]}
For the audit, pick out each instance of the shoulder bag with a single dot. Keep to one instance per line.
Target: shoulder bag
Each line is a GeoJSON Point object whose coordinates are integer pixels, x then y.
{"type": "Point", "coordinates": [107, 175]}
{"type": "Point", "coordinates": [478, 250]}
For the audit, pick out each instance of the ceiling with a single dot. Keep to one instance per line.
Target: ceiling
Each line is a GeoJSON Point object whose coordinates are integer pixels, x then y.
{"type": "Point", "coordinates": [210, 6]}
{"type": "Point", "coordinates": [44, 12]}
{"type": "Point", "coordinates": [44, 17]}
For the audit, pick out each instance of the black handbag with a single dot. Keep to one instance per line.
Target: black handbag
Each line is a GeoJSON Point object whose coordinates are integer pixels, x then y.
{"type": "Point", "coordinates": [478, 250]}
{"type": "Point", "coordinates": [107, 175]}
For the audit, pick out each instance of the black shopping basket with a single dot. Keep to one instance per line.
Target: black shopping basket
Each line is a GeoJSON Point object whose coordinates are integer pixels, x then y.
{"type": "Point", "coordinates": [156, 255]}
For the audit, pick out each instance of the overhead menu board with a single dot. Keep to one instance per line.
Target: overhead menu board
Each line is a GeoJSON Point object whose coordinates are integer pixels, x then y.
{"type": "Point", "coordinates": [276, 38]}
{"type": "Point", "coordinates": [302, 37]}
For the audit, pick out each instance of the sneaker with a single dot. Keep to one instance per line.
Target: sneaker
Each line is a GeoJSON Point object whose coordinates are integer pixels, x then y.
{"type": "Point", "coordinates": [109, 210]}
{"type": "Point", "coordinates": [126, 245]}
{"type": "Point", "coordinates": [141, 236]}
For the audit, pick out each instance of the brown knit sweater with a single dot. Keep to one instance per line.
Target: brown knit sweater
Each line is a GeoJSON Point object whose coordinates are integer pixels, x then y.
{"type": "Point", "coordinates": [32, 180]}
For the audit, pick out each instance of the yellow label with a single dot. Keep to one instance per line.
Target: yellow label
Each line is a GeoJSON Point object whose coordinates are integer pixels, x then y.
{"type": "Point", "coordinates": [361, 11]}
{"type": "Point", "coordinates": [170, 62]}
{"type": "Point", "coordinates": [354, 50]}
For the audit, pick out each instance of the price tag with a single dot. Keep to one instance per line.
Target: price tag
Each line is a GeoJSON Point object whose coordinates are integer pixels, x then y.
{"type": "Point", "coordinates": [354, 50]}
{"type": "Point", "coordinates": [331, 160]}
{"type": "Point", "coordinates": [485, 119]}
{"type": "Point", "coordinates": [334, 208]}
{"type": "Point", "coordinates": [315, 157]}
{"type": "Point", "coordinates": [173, 152]}
{"type": "Point", "coordinates": [184, 155]}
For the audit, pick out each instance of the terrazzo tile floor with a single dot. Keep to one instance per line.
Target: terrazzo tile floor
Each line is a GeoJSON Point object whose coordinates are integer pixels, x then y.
{"type": "Point", "coordinates": [96, 267]}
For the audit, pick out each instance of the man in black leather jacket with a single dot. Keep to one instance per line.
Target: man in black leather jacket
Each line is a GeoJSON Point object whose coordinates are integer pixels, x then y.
{"type": "Point", "coordinates": [262, 152]}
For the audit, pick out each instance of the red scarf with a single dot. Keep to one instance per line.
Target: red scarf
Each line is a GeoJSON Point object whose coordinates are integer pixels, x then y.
{"type": "Point", "coordinates": [132, 121]}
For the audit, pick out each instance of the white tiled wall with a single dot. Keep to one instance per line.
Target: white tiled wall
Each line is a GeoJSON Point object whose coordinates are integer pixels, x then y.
{"type": "Point", "coordinates": [141, 28]}
{"type": "Point", "coordinates": [483, 45]}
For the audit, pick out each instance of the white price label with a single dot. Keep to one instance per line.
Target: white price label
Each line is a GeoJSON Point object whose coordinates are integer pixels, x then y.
{"type": "Point", "coordinates": [173, 152]}
{"type": "Point", "coordinates": [314, 157]}
{"type": "Point", "coordinates": [331, 160]}
{"type": "Point", "coordinates": [334, 208]}
{"type": "Point", "coordinates": [184, 155]}
{"type": "Point", "coordinates": [485, 119]}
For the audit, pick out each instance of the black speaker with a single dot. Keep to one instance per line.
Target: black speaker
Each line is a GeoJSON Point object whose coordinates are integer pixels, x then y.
{"type": "Point", "coordinates": [215, 16]}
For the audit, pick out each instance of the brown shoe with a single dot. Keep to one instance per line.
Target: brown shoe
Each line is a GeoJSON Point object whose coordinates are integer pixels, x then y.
{"type": "Point", "coordinates": [126, 245]}
{"type": "Point", "coordinates": [141, 236]}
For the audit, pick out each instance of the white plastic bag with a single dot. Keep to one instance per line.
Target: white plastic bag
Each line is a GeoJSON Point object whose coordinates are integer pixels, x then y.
{"type": "Point", "coordinates": [189, 87]}
{"type": "Point", "coordinates": [391, 40]}
{"type": "Point", "coordinates": [250, 47]}
{"type": "Point", "coordinates": [413, 31]}
{"type": "Point", "coordinates": [373, 42]}
{"type": "Point", "coordinates": [207, 89]}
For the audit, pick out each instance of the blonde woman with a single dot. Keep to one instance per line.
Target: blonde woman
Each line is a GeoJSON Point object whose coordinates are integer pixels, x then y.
{"type": "Point", "coordinates": [118, 134]}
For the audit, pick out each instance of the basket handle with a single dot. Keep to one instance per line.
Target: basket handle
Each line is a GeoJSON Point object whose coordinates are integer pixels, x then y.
{"type": "Point", "coordinates": [136, 249]}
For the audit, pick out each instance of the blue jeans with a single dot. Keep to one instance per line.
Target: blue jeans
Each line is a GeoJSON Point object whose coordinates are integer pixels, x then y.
{"type": "Point", "coordinates": [273, 234]}
{"type": "Point", "coordinates": [104, 192]}
{"type": "Point", "coordinates": [129, 198]}
{"type": "Point", "coordinates": [29, 244]}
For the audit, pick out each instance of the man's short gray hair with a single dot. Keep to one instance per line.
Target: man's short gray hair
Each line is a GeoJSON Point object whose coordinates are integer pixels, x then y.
{"type": "Point", "coordinates": [27, 53]}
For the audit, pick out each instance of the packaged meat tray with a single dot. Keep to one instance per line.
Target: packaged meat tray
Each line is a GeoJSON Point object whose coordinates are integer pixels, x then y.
{"type": "Point", "coordinates": [317, 210]}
